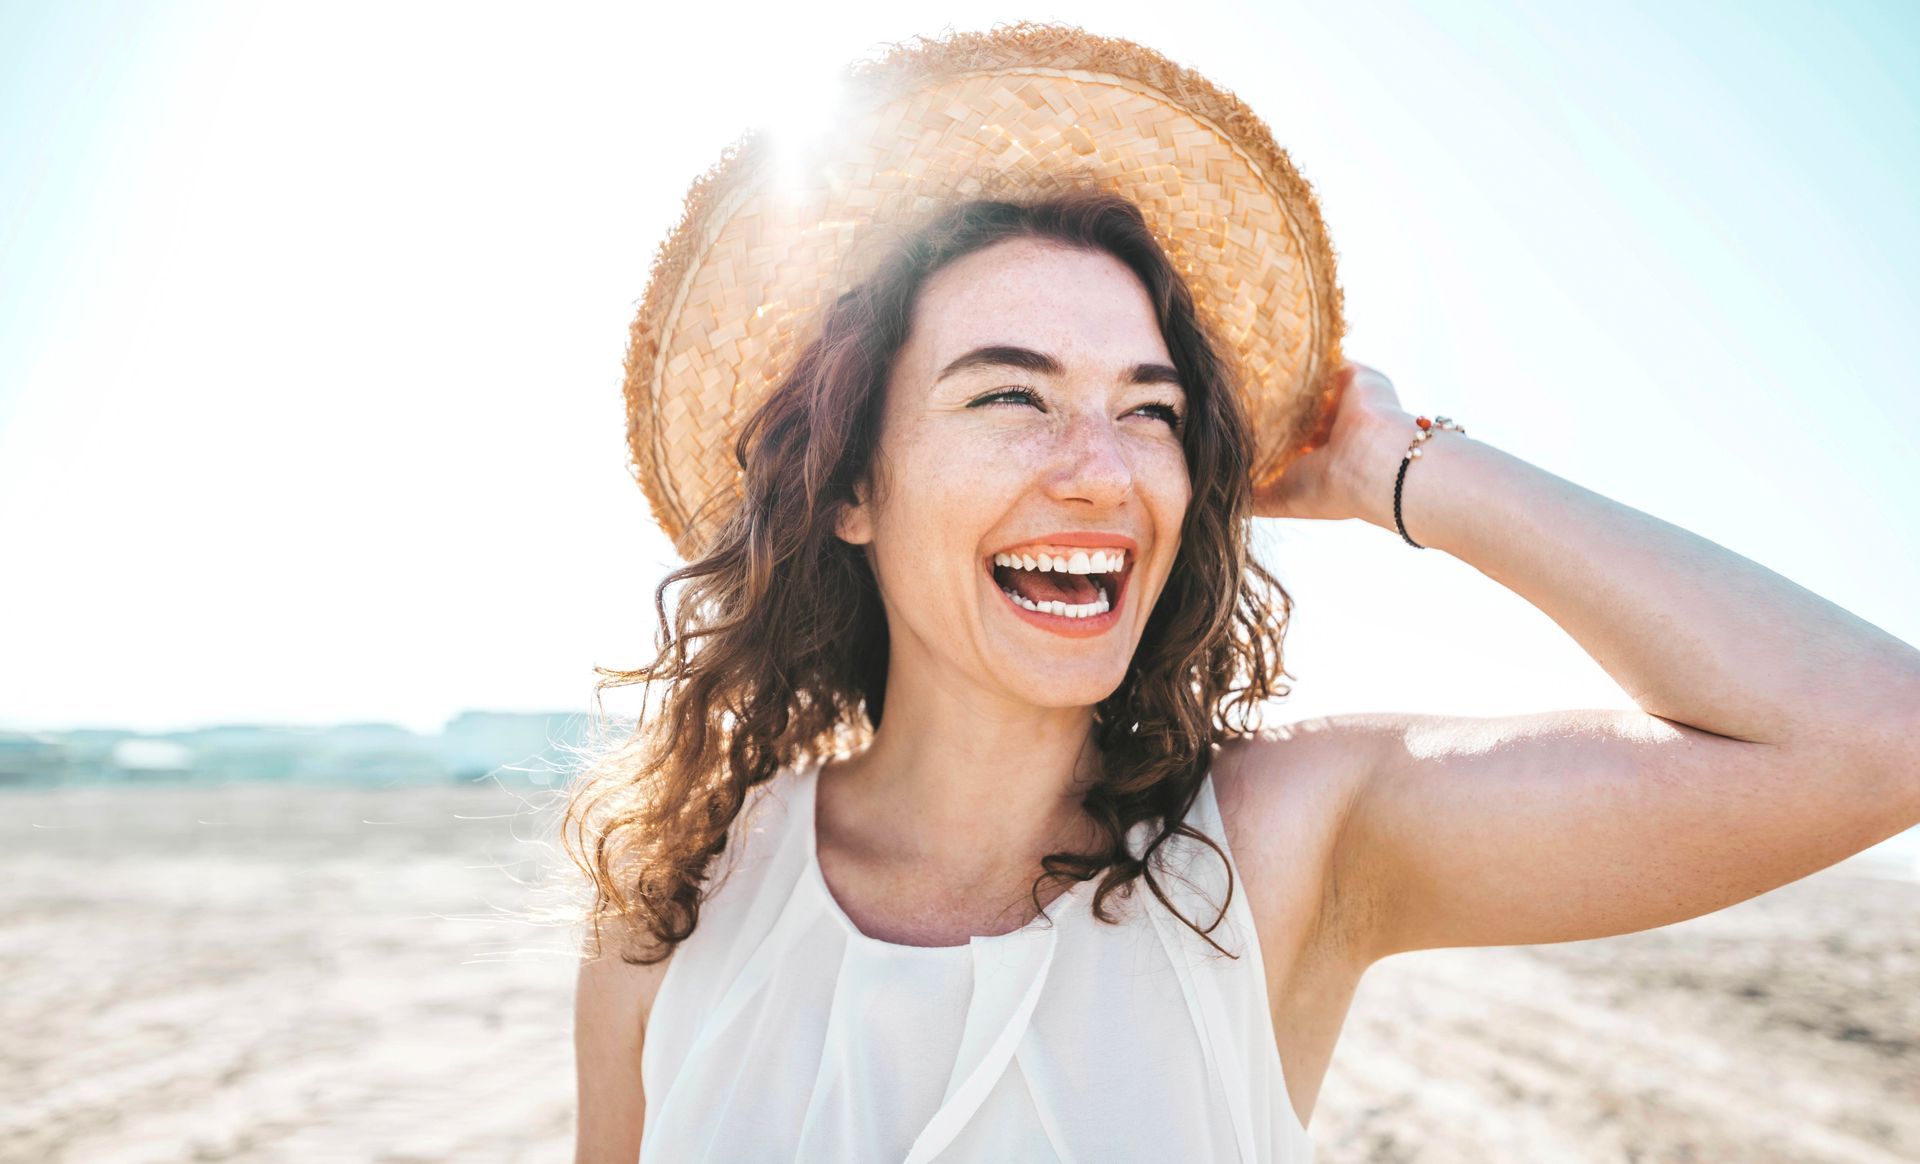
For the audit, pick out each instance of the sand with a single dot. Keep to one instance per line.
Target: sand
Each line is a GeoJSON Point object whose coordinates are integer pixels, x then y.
{"type": "Point", "coordinates": [266, 973]}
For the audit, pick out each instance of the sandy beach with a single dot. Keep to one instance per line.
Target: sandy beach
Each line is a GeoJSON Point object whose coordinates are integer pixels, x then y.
{"type": "Point", "coordinates": [260, 973]}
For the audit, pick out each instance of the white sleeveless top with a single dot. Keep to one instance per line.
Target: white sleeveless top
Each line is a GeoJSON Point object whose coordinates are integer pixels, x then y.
{"type": "Point", "coordinates": [780, 1032]}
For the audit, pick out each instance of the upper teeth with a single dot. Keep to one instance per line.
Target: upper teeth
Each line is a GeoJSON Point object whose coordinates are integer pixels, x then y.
{"type": "Point", "coordinates": [1077, 562]}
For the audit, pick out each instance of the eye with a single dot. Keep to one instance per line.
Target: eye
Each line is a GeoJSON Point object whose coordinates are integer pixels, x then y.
{"type": "Point", "coordinates": [1167, 411]}
{"type": "Point", "coordinates": [997, 397]}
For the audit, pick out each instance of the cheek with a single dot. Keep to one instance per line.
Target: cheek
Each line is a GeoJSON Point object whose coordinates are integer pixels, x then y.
{"type": "Point", "coordinates": [947, 492]}
{"type": "Point", "coordinates": [1162, 475]}
{"type": "Point", "coordinates": [970, 464]}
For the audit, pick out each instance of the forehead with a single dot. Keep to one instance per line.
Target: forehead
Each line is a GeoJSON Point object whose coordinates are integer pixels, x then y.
{"type": "Point", "coordinates": [1084, 306]}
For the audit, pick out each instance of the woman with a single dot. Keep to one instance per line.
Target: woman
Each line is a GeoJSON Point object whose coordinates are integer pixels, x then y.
{"type": "Point", "coordinates": [954, 837]}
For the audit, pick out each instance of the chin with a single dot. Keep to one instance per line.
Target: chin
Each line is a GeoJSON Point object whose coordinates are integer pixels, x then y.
{"type": "Point", "coordinates": [1070, 691]}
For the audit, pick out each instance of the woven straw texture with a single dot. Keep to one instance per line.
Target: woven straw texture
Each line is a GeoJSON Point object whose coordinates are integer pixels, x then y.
{"type": "Point", "coordinates": [767, 240]}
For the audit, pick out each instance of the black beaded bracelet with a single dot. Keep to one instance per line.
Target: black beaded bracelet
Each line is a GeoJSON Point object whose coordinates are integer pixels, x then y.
{"type": "Point", "coordinates": [1427, 428]}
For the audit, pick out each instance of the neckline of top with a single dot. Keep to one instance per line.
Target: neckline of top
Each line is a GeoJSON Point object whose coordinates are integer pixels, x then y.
{"type": "Point", "coordinates": [809, 820]}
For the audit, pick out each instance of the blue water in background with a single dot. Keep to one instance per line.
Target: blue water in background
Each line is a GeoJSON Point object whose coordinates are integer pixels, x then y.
{"type": "Point", "coordinates": [517, 748]}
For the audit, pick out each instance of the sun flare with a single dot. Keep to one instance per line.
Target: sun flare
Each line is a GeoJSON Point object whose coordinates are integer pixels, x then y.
{"type": "Point", "coordinates": [807, 111]}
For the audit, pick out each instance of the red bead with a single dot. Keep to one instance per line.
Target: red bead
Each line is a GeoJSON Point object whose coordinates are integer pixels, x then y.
{"type": "Point", "coordinates": [1423, 422]}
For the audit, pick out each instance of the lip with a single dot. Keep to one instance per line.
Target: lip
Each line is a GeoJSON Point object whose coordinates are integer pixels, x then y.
{"type": "Point", "coordinates": [1090, 538]}
{"type": "Point", "coordinates": [1060, 624]}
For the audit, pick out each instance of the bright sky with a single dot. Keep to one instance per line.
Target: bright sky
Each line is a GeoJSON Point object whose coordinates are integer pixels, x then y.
{"type": "Point", "coordinates": [312, 321]}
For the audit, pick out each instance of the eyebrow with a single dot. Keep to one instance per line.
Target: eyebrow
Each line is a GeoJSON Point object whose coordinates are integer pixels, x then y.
{"type": "Point", "coordinates": [1028, 360]}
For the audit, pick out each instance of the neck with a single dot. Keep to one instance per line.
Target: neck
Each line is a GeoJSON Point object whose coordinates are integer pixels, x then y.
{"type": "Point", "coordinates": [971, 786]}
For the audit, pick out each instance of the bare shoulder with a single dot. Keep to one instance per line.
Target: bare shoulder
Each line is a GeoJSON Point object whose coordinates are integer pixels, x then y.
{"type": "Point", "coordinates": [608, 970]}
{"type": "Point", "coordinates": [1285, 794]}
{"type": "Point", "coordinates": [619, 961]}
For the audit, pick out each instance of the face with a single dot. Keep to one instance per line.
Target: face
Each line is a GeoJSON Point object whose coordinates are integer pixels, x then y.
{"type": "Point", "coordinates": [1060, 444]}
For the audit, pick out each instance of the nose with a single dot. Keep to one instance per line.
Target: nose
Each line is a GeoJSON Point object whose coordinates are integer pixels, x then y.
{"type": "Point", "coordinates": [1093, 463]}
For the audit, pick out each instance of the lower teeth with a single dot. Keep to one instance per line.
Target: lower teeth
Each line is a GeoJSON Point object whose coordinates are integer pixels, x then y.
{"type": "Point", "coordinates": [1084, 610]}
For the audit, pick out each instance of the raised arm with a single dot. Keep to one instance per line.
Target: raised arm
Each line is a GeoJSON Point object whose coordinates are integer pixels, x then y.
{"type": "Point", "coordinates": [1776, 733]}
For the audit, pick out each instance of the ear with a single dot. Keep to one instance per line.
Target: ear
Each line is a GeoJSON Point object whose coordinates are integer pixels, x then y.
{"type": "Point", "coordinates": [854, 524]}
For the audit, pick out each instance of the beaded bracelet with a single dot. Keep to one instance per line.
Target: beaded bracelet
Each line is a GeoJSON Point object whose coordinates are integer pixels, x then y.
{"type": "Point", "coordinates": [1427, 428]}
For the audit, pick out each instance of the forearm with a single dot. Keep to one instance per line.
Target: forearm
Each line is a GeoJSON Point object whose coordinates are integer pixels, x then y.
{"type": "Point", "coordinates": [1692, 631]}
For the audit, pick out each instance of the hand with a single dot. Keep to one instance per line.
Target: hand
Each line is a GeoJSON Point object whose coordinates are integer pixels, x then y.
{"type": "Point", "coordinates": [1320, 484]}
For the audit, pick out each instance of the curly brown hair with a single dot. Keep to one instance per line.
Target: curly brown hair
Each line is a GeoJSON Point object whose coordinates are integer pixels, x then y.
{"type": "Point", "coordinates": [794, 658]}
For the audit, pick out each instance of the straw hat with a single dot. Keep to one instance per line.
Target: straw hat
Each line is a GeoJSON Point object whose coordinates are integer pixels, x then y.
{"type": "Point", "coordinates": [773, 232]}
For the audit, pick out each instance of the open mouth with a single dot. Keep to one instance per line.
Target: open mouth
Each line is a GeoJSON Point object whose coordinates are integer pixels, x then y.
{"type": "Point", "coordinates": [1082, 592]}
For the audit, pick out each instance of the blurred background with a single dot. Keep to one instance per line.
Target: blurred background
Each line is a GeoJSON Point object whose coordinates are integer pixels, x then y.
{"type": "Point", "coordinates": [314, 522]}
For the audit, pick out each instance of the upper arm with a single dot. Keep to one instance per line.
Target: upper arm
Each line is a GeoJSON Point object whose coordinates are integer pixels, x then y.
{"type": "Point", "coordinates": [610, 1006]}
{"type": "Point", "coordinates": [1563, 826]}
{"type": "Point", "coordinates": [1284, 795]}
